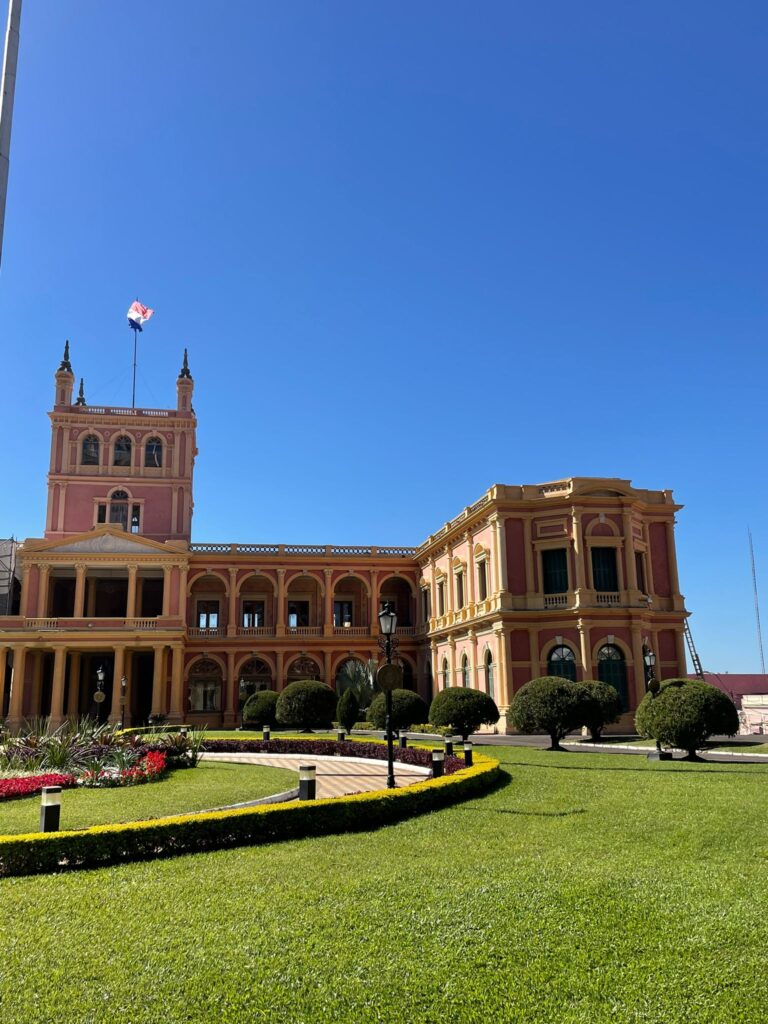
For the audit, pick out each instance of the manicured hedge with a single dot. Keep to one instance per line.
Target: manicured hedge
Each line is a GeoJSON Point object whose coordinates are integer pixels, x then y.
{"type": "Point", "coordinates": [194, 833]}
{"type": "Point", "coordinates": [349, 748]}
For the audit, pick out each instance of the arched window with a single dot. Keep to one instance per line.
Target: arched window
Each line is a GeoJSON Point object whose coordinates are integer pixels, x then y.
{"type": "Point", "coordinates": [205, 686]}
{"type": "Point", "coordinates": [122, 456]}
{"type": "Point", "coordinates": [118, 509]}
{"type": "Point", "coordinates": [254, 675]}
{"type": "Point", "coordinates": [445, 673]}
{"type": "Point", "coordinates": [490, 681]}
{"type": "Point", "coordinates": [562, 662]}
{"type": "Point", "coordinates": [90, 451]}
{"type": "Point", "coordinates": [464, 671]}
{"type": "Point", "coordinates": [612, 668]}
{"type": "Point", "coordinates": [153, 453]}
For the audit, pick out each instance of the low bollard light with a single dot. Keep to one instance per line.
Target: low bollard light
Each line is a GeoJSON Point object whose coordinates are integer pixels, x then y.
{"type": "Point", "coordinates": [307, 782]}
{"type": "Point", "coordinates": [183, 731]}
{"type": "Point", "coordinates": [438, 760]}
{"type": "Point", "coordinates": [448, 746]}
{"type": "Point", "coordinates": [265, 733]}
{"type": "Point", "coordinates": [340, 735]}
{"type": "Point", "coordinates": [50, 809]}
{"type": "Point", "coordinates": [468, 754]}
{"type": "Point", "coordinates": [403, 741]}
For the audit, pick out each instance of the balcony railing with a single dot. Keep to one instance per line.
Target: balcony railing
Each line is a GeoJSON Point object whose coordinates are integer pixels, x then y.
{"type": "Point", "coordinates": [303, 550]}
{"type": "Point", "coordinates": [555, 600]}
{"type": "Point", "coordinates": [608, 600]}
{"type": "Point", "coordinates": [351, 631]}
{"type": "Point", "coordinates": [255, 630]}
{"type": "Point", "coordinates": [304, 630]}
{"type": "Point", "coordinates": [91, 623]}
{"type": "Point", "coordinates": [195, 631]}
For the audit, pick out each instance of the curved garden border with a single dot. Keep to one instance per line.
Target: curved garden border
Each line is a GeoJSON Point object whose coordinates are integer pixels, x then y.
{"type": "Point", "coordinates": [101, 845]}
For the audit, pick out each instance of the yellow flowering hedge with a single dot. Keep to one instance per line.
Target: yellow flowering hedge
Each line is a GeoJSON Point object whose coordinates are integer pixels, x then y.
{"type": "Point", "coordinates": [193, 833]}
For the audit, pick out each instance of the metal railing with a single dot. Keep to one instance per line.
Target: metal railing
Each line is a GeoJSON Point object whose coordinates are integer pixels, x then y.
{"type": "Point", "coordinates": [301, 550]}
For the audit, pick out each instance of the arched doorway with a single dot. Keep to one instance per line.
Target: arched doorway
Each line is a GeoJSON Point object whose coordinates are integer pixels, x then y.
{"type": "Point", "coordinates": [397, 592]}
{"type": "Point", "coordinates": [303, 667]}
{"type": "Point", "coordinates": [612, 668]}
{"type": "Point", "coordinates": [205, 686]}
{"type": "Point", "coordinates": [254, 675]}
{"type": "Point", "coordinates": [562, 663]}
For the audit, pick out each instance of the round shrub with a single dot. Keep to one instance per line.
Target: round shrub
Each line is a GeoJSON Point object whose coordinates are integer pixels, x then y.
{"type": "Point", "coordinates": [260, 709]}
{"type": "Point", "coordinates": [549, 704]}
{"type": "Point", "coordinates": [407, 709]}
{"type": "Point", "coordinates": [348, 710]}
{"type": "Point", "coordinates": [601, 708]}
{"type": "Point", "coordinates": [685, 713]}
{"type": "Point", "coordinates": [463, 710]}
{"type": "Point", "coordinates": [306, 705]}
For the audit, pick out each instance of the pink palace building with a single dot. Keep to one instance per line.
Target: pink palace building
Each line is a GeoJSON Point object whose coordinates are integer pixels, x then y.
{"type": "Point", "coordinates": [576, 578]}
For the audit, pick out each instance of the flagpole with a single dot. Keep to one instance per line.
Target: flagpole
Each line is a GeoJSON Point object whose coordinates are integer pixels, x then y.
{"type": "Point", "coordinates": [135, 329]}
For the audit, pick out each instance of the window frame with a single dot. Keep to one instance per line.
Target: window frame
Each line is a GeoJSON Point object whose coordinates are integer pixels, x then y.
{"type": "Point", "coordinates": [120, 440]}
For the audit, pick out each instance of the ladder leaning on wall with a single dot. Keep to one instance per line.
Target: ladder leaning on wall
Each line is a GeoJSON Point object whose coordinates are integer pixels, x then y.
{"type": "Point", "coordinates": [695, 660]}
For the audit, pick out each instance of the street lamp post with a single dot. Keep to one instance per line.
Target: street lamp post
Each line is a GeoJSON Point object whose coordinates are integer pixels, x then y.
{"type": "Point", "coordinates": [123, 685]}
{"type": "Point", "coordinates": [652, 687]}
{"type": "Point", "coordinates": [388, 623]}
{"type": "Point", "coordinates": [99, 697]}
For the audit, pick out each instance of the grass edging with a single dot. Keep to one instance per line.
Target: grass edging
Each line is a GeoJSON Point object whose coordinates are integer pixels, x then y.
{"type": "Point", "coordinates": [100, 845]}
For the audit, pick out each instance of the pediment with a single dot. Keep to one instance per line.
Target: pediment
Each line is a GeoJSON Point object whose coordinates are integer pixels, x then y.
{"type": "Point", "coordinates": [108, 542]}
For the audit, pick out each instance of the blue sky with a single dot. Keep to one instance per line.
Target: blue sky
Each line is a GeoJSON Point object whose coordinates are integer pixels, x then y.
{"type": "Point", "coordinates": [414, 249]}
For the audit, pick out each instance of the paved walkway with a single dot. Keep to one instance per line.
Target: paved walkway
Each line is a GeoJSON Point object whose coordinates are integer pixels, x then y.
{"type": "Point", "coordinates": [336, 776]}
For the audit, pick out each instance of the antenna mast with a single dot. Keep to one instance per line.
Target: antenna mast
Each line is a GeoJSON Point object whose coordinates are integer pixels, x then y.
{"type": "Point", "coordinates": [10, 60]}
{"type": "Point", "coordinates": [757, 603]}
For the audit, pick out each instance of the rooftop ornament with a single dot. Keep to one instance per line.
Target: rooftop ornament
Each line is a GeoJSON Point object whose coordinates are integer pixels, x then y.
{"type": "Point", "coordinates": [65, 363]}
{"type": "Point", "coordinates": [184, 371]}
{"type": "Point", "coordinates": [81, 395]}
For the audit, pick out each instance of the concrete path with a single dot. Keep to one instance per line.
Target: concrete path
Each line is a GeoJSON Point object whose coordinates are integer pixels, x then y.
{"type": "Point", "coordinates": [336, 776]}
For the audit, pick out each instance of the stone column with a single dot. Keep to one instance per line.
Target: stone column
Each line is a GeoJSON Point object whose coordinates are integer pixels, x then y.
{"type": "Point", "coordinates": [118, 672]}
{"type": "Point", "coordinates": [682, 667]}
{"type": "Point", "coordinates": [374, 623]}
{"type": "Point", "coordinates": [533, 647]}
{"type": "Point", "coordinates": [166, 590]}
{"type": "Point", "coordinates": [232, 620]}
{"type": "Point", "coordinates": [280, 625]}
{"type": "Point", "coordinates": [578, 557]}
{"type": "Point", "coordinates": [471, 571]}
{"type": "Point", "coordinates": [503, 683]}
{"type": "Point", "coordinates": [130, 608]}
{"type": "Point", "coordinates": [474, 681]}
{"type": "Point", "coordinates": [42, 591]}
{"type": "Point", "coordinates": [279, 678]}
{"type": "Point", "coordinates": [501, 553]}
{"type": "Point", "coordinates": [452, 661]}
{"type": "Point", "coordinates": [328, 614]}
{"type": "Point", "coordinates": [15, 713]}
{"type": "Point", "coordinates": [158, 681]}
{"type": "Point", "coordinates": [629, 555]}
{"type": "Point", "coordinates": [57, 689]}
{"type": "Point", "coordinates": [177, 685]}
{"type": "Point", "coordinates": [327, 669]}
{"type": "Point", "coordinates": [639, 664]}
{"type": "Point", "coordinates": [181, 611]}
{"type": "Point", "coordinates": [73, 699]}
{"type": "Point", "coordinates": [433, 659]}
{"type": "Point", "coordinates": [81, 572]}
{"type": "Point", "coordinates": [3, 663]}
{"type": "Point", "coordinates": [530, 576]}
{"type": "Point", "coordinates": [674, 581]}
{"type": "Point", "coordinates": [586, 657]}
{"type": "Point", "coordinates": [34, 707]}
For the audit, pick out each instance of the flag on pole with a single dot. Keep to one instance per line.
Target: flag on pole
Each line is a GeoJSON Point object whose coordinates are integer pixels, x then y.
{"type": "Point", "coordinates": [138, 315]}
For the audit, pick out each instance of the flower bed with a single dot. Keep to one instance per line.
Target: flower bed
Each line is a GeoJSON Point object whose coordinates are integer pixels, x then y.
{"type": "Point", "coordinates": [194, 833]}
{"type": "Point", "coordinates": [30, 785]}
{"type": "Point", "coordinates": [348, 748]}
{"type": "Point", "coordinates": [149, 769]}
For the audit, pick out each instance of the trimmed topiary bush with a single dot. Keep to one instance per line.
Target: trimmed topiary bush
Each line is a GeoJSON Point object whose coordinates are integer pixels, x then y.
{"type": "Point", "coordinates": [348, 710]}
{"type": "Point", "coordinates": [407, 709]}
{"type": "Point", "coordinates": [685, 713]}
{"type": "Point", "coordinates": [601, 708]}
{"type": "Point", "coordinates": [549, 704]}
{"type": "Point", "coordinates": [306, 705]}
{"type": "Point", "coordinates": [260, 709]}
{"type": "Point", "coordinates": [463, 710]}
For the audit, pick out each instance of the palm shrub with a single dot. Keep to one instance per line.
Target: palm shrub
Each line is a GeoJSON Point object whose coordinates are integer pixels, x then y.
{"type": "Point", "coordinates": [347, 710]}
{"type": "Point", "coordinates": [408, 709]}
{"type": "Point", "coordinates": [360, 677]}
{"type": "Point", "coordinates": [307, 704]}
{"type": "Point", "coordinates": [260, 709]}
{"type": "Point", "coordinates": [602, 706]}
{"type": "Point", "coordinates": [685, 713]}
{"type": "Point", "coordinates": [462, 709]}
{"type": "Point", "coordinates": [549, 704]}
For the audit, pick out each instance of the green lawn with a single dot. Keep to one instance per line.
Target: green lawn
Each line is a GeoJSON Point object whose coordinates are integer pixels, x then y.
{"type": "Point", "coordinates": [592, 888]}
{"type": "Point", "coordinates": [756, 747]}
{"type": "Point", "coordinates": [197, 789]}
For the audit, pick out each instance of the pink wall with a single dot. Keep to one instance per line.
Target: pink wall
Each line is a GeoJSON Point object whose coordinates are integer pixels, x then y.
{"type": "Point", "coordinates": [659, 563]}
{"type": "Point", "coordinates": [515, 556]}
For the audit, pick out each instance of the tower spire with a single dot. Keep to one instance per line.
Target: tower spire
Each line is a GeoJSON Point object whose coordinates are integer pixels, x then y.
{"type": "Point", "coordinates": [184, 371]}
{"type": "Point", "coordinates": [81, 395]}
{"type": "Point", "coordinates": [65, 363]}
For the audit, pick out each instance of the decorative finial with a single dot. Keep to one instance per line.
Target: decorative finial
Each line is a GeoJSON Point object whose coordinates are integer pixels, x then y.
{"type": "Point", "coordinates": [65, 363]}
{"type": "Point", "coordinates": [81, 395]}
{"type": "Point", "coordinates": [184, 371]}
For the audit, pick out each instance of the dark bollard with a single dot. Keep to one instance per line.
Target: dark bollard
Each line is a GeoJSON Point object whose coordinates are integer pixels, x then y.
{"type": "Point", "coordinates": [438, 759]}
{"type": "Point", "coordinates": [403, 742]}
{"type": "Point", "coordinates": [448, 746]}
{"type": "Point", "coordinates": [467, 754]}
{"type": "Point", "coordinates": [50, 809]}
{"type": "Point", "coordinates": [265, 733]}
{"type": "Point", "coordinates": [307, 782]}
{"type": "Point", "coordinates": [340, 736]}
{"type": "Point", "coordinates": [183, 731]}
